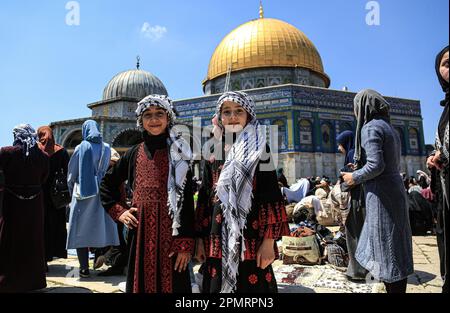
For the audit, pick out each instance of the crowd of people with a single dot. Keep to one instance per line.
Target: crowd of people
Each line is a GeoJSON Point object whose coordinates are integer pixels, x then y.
{"type": "Point", "coordinates": [145, 214]}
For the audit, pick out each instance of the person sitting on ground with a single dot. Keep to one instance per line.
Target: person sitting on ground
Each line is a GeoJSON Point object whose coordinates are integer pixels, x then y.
{"type": "Point", "coordinates": [281, 178]}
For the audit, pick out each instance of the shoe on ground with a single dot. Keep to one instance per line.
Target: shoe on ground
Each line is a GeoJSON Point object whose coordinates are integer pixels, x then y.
{"type": "Point", "coordinates": [85, 274]}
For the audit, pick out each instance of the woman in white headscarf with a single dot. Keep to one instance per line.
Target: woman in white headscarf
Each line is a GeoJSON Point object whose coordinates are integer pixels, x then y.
{"type": "Point", "coordinates": [161, 215]}
{"type": "Point", "coordinates": [240, 211]}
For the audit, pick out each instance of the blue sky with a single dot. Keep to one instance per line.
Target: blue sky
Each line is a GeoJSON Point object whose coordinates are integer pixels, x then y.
{"type": "Point", "coordinates": [50, 71]}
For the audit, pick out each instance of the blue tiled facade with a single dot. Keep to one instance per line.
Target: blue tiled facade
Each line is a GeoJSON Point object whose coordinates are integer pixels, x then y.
{"type": "Point", "coordinates": [309, 118]}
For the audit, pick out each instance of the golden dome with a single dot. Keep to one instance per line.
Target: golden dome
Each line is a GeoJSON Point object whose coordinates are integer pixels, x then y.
{"type": "Point", "coordinates": [265, 42]}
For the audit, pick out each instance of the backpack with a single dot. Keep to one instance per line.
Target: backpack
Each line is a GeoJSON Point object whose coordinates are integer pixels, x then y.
{"type": "Point", "coordinates": [59, 191]}
{"type": "Point", "coordinates": [336, 255]}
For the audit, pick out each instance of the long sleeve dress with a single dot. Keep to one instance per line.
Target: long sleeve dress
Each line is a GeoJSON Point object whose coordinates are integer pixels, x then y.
{"type": "Point", "coordinates": [267, 219]}
{"type": "Point", "coordinates": [55, 219]}
{"type": "Point", "coordinates": [22, 255]}
{"type": "Point", "coordinates": [385, 245]}
{"type": "Point", "coordinates": [145, 168]}
{"type": "Point", "coordinates": [89, 225]}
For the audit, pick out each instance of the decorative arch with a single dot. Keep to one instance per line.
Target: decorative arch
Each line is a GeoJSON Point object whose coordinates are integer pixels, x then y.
{"type": "Point", "coordinates": [328, 137]}
{"type": "Point", "coordinates": [72, 140]}
{"type": "Point", "coordinates": [127, 138]}
{"type": "Point", "coordinates": [414, 142]}
{"type": "Point", "coordinates": [402, 139]}
{"type": "Point", "coordinates": [306, 134]}
{"type": "Point", "coordinates": [282, 138]}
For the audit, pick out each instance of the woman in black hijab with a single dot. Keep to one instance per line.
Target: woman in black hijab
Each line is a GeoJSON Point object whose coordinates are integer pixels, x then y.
{"type": "Point", "coordinates": [438, 160]}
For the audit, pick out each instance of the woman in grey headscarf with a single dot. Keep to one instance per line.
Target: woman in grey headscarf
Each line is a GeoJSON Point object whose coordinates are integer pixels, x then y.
{"type": "Point", "coordinates": [385, 245]}
{"type": "Point", "coordinates": [22, 258]}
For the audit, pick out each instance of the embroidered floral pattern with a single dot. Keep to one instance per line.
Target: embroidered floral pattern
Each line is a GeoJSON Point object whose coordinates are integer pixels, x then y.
{"type": "Point", "coordinates": [155, 230]}
{"type": "Point", "coordinates": [183, 245]}
{"type": "Point", "coordinates": [253, 279]}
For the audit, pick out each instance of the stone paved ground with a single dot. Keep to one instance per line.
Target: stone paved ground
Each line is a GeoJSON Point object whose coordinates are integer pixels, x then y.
{"type": "Point", "coordinates": [63, 276]}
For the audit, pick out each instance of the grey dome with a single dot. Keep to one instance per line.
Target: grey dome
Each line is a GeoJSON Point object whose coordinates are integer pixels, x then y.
{"type": "Point", "coordinates": [135, 84]}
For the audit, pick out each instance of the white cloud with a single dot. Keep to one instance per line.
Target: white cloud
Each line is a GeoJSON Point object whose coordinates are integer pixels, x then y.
{"type": "Point", "coordinates": [153, 32]}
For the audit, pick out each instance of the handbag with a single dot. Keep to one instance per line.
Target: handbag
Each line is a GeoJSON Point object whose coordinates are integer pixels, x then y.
{"type": "Point", "coordinates": [76, 189]}
{"type": "Point", "coordinates": [59, 192]}
{"type": "Point", "coordinates": [301, 250]}
{"type": "Point", "coordinates": [329, 216]}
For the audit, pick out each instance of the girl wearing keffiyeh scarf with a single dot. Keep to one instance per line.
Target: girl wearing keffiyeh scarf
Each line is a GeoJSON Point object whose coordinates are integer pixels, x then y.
{"type": "Point", "coordinates": [160, 215]}
{"type": "Point", "coordinates": [240, 212]}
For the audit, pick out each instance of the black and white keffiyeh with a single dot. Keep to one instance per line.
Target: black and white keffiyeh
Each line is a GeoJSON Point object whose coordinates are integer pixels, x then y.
{"type": "Point", "coordinates": [234, 188]}
{"type": "Point", "coordinates": [161, 101]}
{"type": "Point", "coordinates": [180, 162]}
{"type": "Point", "coordinates": [180, 156]}
{"type": "Point", "coordinates": [238, 97]}
{"type": "Point", "coordinates": [25, 135]}
{"type": "Point", "coordinates": [443, 146]}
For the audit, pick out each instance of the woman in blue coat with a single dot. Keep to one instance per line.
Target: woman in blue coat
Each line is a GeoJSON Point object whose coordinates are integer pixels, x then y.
{"type": "Point", "coordinates": [385, 245]}
{"type": "Point", "coordinates": [90, 226]}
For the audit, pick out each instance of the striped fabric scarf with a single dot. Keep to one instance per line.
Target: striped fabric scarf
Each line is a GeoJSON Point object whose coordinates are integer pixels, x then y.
{"type": "Point", "coordinates": [180, 162]}
{"type": "Point", "coordinates": [26, 136]}
{"type": "Point", "coordinates": [234, 189]}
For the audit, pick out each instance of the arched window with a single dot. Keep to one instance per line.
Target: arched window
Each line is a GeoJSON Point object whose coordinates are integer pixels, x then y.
{"type": "Point", "coordinates": [73, 140]}
{"type": "Point", "coordinates": [282, 140]}
{"type": "Point", "coordinates": [306, 132]}
{"type": "Point", "coordinates": [127, 138]}
{"type": "Point", "coordinates": [328, 137]}
{"type": "Point", "coordinates": [414, 143]}
{"type": "Point", "coordinates": [402, 139]}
